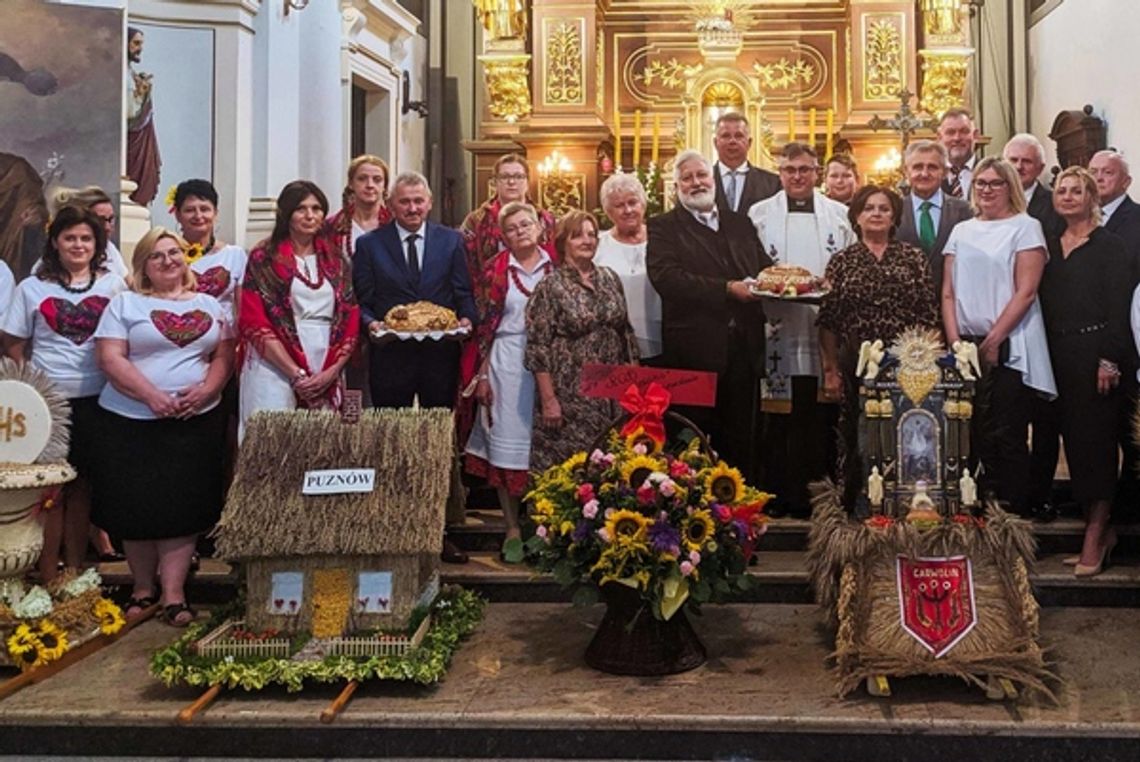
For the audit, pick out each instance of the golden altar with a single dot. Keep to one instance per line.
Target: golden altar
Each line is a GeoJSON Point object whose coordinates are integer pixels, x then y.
{"type": "Point", "coordinates": [611, 83]}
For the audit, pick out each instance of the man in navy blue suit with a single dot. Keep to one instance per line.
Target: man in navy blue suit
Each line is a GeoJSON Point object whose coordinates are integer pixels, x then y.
{"type": "Point", "coordinates": [410, 260]}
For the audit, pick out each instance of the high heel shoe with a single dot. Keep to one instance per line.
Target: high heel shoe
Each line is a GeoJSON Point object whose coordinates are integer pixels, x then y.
{"type": "Point", "coordinates": [1080, 570]}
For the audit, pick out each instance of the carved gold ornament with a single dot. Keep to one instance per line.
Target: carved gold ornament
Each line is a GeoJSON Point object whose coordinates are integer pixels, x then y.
{"type": "Point", "coordinates": [883, 68]}
{"type": "Point", "coordinates": [942, 20]}
{"type": "Point", "coordinates": [502, 19]}
{"type": "Point", "coordinates": [723, 95]}
{"type": "Point", "coordinates": [918, 351]}
{"type": "Point", "coordinates": [508, 85]}
{"type": "Point", "coordinates": [784, 74]}
{"type": "Point", "coordinates": [944, 77]}
{"type": "Point", "coordinates": [564, 84]}
{"type": "Point", "coordinates": [560, 192]}
{"type": "Point", "coordinates": [671, 74]}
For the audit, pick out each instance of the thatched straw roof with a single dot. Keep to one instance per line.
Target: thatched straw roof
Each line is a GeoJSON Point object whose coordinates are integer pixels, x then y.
{"type": "Point", "coordinates": [267, 516]}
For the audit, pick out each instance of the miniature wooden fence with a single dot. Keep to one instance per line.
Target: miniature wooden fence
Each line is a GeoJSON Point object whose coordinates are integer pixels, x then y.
{"type": "Point", "coordinates": [217, 645]}
{"type": "Point", "coordinates": [377, 645]}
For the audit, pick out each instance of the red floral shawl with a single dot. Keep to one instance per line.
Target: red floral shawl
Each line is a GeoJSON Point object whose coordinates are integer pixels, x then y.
{"type": "Point", "coordinates": [267, 308]}
{"type": "Point", "coordinates": [339, 227]}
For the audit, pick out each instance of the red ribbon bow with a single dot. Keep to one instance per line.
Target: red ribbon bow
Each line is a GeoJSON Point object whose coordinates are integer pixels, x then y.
{"type": "Point", "coordinates": [646, 411]}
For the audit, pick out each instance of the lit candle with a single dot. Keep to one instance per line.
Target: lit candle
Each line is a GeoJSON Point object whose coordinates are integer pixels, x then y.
{"type": "Point", "coordinates": [811, 127]}
{"type": "Point", "coordinates": [637, 138]}
{"type": "Point", "coordinates": [830, 130]}
{"type": "Point", "coordinates": [791, 125]}
{"type": "Point", "coordinates": [617, 138]}
{"type": "Point", "coordinates": [656, 137]}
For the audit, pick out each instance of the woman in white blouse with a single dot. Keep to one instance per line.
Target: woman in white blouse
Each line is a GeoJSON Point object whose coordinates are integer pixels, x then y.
{"type": "Point", "coordinates": [622, 249]}
{"type": "Point", "coordinates": [993, 267]}
{"type": "Point", "coordinates": [167, 351]}
{"type": "Point", "coordinates": [51, 323]}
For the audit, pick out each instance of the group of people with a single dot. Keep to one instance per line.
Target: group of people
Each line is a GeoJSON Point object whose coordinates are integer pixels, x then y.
{"type": "Point", "coordinates": [977, 249]}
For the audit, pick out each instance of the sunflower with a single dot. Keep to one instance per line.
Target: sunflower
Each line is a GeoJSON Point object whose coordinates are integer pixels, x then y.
{"type": "Point", "coordinates": [171, 194]}
{"type": "Point", "coordinates": [574, 462]}
{"type": "Point", "coordinates": [109, 615]}
{"type": "Point", "coordinates": [543, 510]}
{"type": "Point", "coordinates": [697, 529]}
{"type": "Point", "coordinates": [626, 527]}
{"type": "Point", "coordinates": [638, 468]}
{"type": "Point", "coordinates": [193, 253]}
{"type": "Point", "coordinates": [33, 646]}
{"type": "Point", "coordinates": [639, 437]}
{"type": "Point", "coordinates": [724, 484]}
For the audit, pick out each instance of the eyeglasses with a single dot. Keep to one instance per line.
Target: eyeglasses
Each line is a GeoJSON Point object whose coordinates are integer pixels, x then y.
{"type": "Point", "coordinates": [511, 178]}
{"type": "Point", "coordinates": [985, 185]}
{"type": "Point", "coordinates": [108, 220]}
{"type": "Point", "coordinates": [520, 227]}
{"type": "Point", "coordinates": [798, 170]}
{"type": "Point", "coordinates": [158, 256]}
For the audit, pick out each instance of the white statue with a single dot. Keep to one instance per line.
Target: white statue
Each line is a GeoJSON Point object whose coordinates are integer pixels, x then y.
{"type": "Point", "coordinates": [870, 355]}
{"type": "Point", "coordinates": [966, 359]}
{"type": "Point", "coordinates": [968, 488]}
{"type": "Point", "coordinates": [875, 487]}
{"type": "Point", "coordinates": [921, 501]}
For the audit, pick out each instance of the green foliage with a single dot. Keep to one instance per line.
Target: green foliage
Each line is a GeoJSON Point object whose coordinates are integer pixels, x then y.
{"type": "Point", "coordinates": [456, 613]}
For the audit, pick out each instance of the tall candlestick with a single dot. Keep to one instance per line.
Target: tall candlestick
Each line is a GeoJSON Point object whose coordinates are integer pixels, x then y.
{"type": "Point", "coordinates": [656, 137]}
{"type": "Point", "coordinates": [617, 137]}
{"type": "Point", "coordinates": [811, 127]}
{"type": "Point", "coordinates": [791, 125]}
{"type": "Point", "coordinates": [637, 138]}
{"type": "Point", "coordinates": [830, 130]}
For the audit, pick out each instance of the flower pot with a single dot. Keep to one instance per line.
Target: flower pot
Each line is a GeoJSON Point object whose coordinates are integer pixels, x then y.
{"type": "Point", "coordinates": [631, 641]}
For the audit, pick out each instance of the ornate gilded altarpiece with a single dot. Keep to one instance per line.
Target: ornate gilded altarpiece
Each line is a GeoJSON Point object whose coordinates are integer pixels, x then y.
{"type": "Point", "coordinates": [621, 82]}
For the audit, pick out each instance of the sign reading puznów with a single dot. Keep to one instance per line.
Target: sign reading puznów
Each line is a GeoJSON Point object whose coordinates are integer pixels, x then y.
{"type": "Point", "coordinates": [338, 481]}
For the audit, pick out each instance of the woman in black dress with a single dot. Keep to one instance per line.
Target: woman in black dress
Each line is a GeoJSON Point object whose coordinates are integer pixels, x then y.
{"type": "Point", "coordinates": [1086, 295]}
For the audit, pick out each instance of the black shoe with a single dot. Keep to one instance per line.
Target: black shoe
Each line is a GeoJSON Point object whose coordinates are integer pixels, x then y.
{"type": "Point", "coordinates": [452, 554]}
{"type": "Point", "coordinates": [1045, 513]}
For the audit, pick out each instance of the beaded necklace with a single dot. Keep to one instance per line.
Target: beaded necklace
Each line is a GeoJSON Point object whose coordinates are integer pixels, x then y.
{"type": "Point", "coordinates": [79, 289]}
{"type": "Point", "coordinates": [546, 268]}
{"type": "Point", "coordinates": [303, 273]}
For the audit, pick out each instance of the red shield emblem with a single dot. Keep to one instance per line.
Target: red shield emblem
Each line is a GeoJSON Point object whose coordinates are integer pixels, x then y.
{"type": "Point", "coordinates": [936, 600]}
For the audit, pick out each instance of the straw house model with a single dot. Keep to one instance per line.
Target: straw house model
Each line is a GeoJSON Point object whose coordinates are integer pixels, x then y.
{"type": "Point", "coordinates": [334, 564]}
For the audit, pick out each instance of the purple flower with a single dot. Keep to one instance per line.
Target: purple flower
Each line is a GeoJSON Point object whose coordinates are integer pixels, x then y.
{"type": "Point", "coordinates": [581, 532]}
{"type": "Point", "coordinates": [665, 538]}
{"type": "Point", "coordinates": [720, 512]}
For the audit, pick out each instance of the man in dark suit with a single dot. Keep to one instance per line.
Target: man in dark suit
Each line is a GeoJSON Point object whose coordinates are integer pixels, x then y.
{"type": "Point", "coordinates": [738, 184]}
{"type": "Point", "coordinates": [1027, 155]}
{"type": "Point", "coordinates": [958, 134]}
{"type": "Point", "coordinates": [929, 214]}
{"type": "Point", "coordinates": [1121, 215]}
{"type": "Point", "coordinates": [698, 257]}
{"type": "Point", "coordinates": [410, 260]}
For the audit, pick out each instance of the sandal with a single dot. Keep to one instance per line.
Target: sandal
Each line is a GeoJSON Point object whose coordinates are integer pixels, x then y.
{"type": "Point", "coordinates": [138, 605]}
{"type": "Point", "coordinates": [178, 614]}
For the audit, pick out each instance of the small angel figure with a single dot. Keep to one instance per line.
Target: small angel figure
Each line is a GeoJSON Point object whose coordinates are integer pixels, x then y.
{"type": "Point", "coordinates": [968, 489]}
{"type": "Point", "coordinates": [870, 355]}
{"type": "Point", "coordinates": [875, 488]}
{"type": "Point", "coordinates": [966, 359]}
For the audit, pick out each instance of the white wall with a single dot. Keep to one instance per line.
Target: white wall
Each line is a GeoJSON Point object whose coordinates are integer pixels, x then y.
{"type": "Point", "coordinates": [1083, 52]}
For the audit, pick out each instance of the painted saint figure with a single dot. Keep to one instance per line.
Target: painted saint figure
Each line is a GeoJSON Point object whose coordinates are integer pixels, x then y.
{"type": "Point", "coordinates": [143, 160]}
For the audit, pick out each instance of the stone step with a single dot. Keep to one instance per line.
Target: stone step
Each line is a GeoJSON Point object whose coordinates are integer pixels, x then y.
{"type": "Point", "coordinates": [485, 530]}
{"type": "Point", "coordinates": [782, 575]}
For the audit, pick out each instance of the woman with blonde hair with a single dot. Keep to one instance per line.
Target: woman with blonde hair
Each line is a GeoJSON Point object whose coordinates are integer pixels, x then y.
{"type": "Point", "coordinates": [1086, 295]}
{"type": "Point", "coordinates": [364, 203]}
{"type": "Point", "coordinates": [993, 267]}
{"type": "Point", "coordinates": [167, 351]}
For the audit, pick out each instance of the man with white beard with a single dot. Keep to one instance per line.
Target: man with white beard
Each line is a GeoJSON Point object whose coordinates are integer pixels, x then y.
{"type": "Point", "coordinates": [698, 257]}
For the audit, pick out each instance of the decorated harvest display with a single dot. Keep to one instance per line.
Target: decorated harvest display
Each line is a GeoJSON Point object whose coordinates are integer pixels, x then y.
{"type": "Point", "coordinates": [670, 528]}
{"type": "Point", "coordinates": [337, 527]}
{"type": "Point", "coordinates": [931, 582]}
{"type": "Point", "coordinates": [38, 624]}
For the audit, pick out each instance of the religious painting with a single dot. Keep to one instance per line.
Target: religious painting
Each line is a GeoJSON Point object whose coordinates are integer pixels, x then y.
{"type": "Point", "coordinates": [60, 114]}
{"type": "Point", "coordinates": [918, 447]}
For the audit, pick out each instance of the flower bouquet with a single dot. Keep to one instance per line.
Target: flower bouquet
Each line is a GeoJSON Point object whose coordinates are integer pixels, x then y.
{"type": "Point", "coordinates": [653, 531]}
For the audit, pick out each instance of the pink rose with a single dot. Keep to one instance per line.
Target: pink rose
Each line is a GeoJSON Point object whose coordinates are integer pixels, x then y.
{"type": "Point", "coordinates": [686, 568]}
{"type": "Point", "coordinates": [695, 557]}
{"type": "Point", "coordinates": [590, 509]}
{"type": "Point", "coordinates": [597, 456]}
{"type": "Point", "coordinates": [541, 531]}
{"type": "Point", "coordinates": [668, 488]}
{"type": "Point", "coordinates": [609, 512]}
{"type": "Point", "coordinates": [640, 449]}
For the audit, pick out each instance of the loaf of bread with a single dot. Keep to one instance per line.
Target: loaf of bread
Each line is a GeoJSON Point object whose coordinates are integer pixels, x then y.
{"type": "Point", "coordinates": [420, 316]}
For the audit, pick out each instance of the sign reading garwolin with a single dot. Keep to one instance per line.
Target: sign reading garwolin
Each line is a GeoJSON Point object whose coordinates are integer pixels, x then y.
{"type": "Point", "coordinates": [339, 481]}
{"type": "Point", "coordinates": [936, 600]}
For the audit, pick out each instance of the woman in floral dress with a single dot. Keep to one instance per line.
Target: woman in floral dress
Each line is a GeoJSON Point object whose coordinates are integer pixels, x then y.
{"type": "Point", "coordinates": [576, 316]}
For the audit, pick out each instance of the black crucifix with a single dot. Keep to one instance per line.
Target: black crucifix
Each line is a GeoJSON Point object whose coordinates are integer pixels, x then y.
{"type": "Point", "coordinates": [905, 122]}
